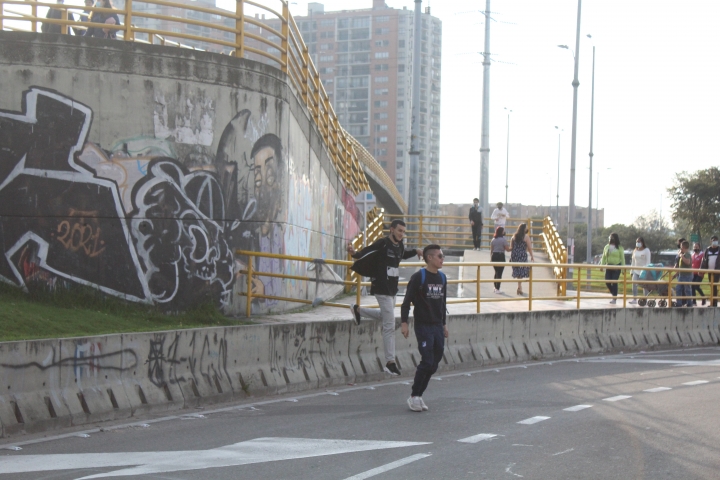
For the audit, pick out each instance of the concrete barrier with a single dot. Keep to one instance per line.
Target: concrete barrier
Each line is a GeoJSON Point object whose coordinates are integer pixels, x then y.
{"type": "Point", "coordinates": [49, 384]}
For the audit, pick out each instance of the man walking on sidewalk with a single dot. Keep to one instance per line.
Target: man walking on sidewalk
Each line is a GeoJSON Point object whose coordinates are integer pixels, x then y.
{"type": "Point", "coordinates": [381, 262]}
{"type": "Point", "coordinates": [427, 291]}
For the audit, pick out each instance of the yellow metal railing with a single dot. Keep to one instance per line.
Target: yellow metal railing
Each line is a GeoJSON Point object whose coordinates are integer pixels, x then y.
{"type": "Point", "coordinates": [454, 232]}
{"type": "Point", "coordinates": [665, 285]}
{"type": "Point", "coordinates": [556, 251]}
{"type": "Point", "coordinates": [277, 40]}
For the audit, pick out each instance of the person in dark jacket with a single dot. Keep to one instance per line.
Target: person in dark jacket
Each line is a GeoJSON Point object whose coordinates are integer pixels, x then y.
{"type": "Point", "coordinates": [711, 261]}
{"type": "Point", "coordinates": [56, 14]}
{"type": "Point", "coordinates": [381, 262]}
{"type": "Point", "coordinates": [476, 223]}
{"type": "Point", "coordinates": [427, 291]}
{"type": "Point", "coordinates": [104, 18]}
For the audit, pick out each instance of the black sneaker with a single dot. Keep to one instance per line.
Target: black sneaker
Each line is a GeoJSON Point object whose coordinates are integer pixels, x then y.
{"type": "Point", "coordinates": [392, 369]}
{"type": "Point", "coordinates": [355, 312]}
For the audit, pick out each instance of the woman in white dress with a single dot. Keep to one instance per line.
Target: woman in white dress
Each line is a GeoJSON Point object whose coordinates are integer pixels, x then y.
{"type": "Point", "coordinates": [641, 257]}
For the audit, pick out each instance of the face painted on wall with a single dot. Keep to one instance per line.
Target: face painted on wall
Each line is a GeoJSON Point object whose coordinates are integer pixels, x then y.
{"type": "Point", "coordinates": [266, 163]}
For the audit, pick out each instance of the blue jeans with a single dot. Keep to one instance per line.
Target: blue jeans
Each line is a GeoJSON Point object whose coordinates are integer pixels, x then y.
{"type": "Point", "coordinates": [431, 344]}
{"type": "Point", "coordinates": [684, 290]}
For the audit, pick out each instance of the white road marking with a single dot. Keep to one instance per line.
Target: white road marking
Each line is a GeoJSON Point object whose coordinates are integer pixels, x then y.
{"type": "Point", "coordinates": [577, 408]}
{"type": "Point", "coordinates": [657, 389]}
{"type": "Point", "coordinates": [509, 470]}
{"type": "Point", "coordinates": [389, 466]}
{"type": "Point", "coordinates": [530, 421]}
{"type": "Point", "coordinates": [259, 450]}
{"type": "Point", "coordinates": [696, 382]}
{"type": "Point", "coordinates": [564, 451]}
{"type": "Point", "coordinates": [478, 438]}
{"type": "Point", "coordinates": [616, 398]}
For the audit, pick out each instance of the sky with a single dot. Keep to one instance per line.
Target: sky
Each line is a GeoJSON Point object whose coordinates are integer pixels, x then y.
{"type": "Point", "coordinates": [656, 98]}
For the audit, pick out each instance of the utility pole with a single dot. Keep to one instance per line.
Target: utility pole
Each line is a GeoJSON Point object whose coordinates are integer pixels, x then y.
{"type": "Point", "coordinates": [485, 136]}
{"type": "Point", "coordinates": [507, 156]}
{"type": "Point", "coordinates": [592, 119]}
{"type": "Point", "coordinates": [575, 84]}
{"type": "Point", "coordinates": [414, 197]}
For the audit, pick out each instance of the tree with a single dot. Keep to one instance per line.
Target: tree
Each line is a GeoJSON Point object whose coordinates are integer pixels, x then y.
{"type": "Point", "coordinates": [657, 234]}
{"type": "Point", "coordinates": [696, 200]}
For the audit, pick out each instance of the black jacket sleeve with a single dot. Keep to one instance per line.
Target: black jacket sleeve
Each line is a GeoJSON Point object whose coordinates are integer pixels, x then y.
{"type": "Point", "coordinates": [704, 264]}
{"type": "Point", "coordinates": [409, 253]}
{"type": "Point", "coordinates": [412, 290]}
{"type": "Point", "coordinates": [470, 215]}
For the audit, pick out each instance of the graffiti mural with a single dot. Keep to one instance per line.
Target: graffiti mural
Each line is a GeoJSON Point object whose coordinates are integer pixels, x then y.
{"type": "Point", "coordinates": [155, 217]}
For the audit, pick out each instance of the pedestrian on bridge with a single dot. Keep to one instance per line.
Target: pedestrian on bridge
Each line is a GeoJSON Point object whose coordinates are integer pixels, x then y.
{"type": "Point", "coordinates": [711, 262]}
{"type": "Point", "coordinates": [498, 246]}
{"type": "Point", "coordinates": [613, 254]}
{"type": "Point", "coordinates": [476, 223]}
{"type": "Point", "coordinates": [697, 259]}
{"type": "Point", "coordinates": [500, 215]}
{"type": "Point", "coordinates": [427, 291]}
{"type": "Point", "coordinates": [381, 262]}
{"type": "Point", "coordinates": [520, 247]}
{"type": "Point", "coordinates": [641, 256]}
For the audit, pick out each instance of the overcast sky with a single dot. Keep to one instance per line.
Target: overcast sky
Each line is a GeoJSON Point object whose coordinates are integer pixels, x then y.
{"type": "Point", "coordinates": [656, 97]}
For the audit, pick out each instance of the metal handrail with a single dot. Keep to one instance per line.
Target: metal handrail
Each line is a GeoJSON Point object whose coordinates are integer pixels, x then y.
{"type": "Point", "coordinates": [666, 280]}
{"type": "Point", "coordinates": [292, 58]}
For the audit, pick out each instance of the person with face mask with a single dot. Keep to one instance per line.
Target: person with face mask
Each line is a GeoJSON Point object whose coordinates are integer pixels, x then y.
{"type": "Point", "coordinates": [108, 18]}
{"type": "Point", "coordinates": [697, 258]}
{"type": "Point", "coordinates": [711, 262]}
{"type": "Point", "coordinates": [640, 257]}
{"type": "Point", "coordinates": [613, 255]}
{"type": "Point", "coordinates": [476, 223]}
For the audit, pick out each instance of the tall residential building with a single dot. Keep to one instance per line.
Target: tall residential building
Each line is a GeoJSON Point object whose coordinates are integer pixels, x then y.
{"type": "Point", "coordinates": [364, 58]}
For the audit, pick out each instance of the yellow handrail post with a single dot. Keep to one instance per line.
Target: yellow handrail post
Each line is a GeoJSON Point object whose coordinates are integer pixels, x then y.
{"type": "Point", "coordinates": [34, 12]}
{"type": "Point", "coordinates": [477, 283]}
{"type": "Point", "coordinates": [284, 42]}
{"type": "Point", "coordinates": [2, 12]}
{"type": "Point", "coordinates": [306, 74]}
{"type": "Point", "coordinates": [711, 278]}
{"type": "Point", "coordinates": [420, 232]}
{"type": "Point", "coordinates": [129, 32]}
{"type": "Point", "coordinates": [669, 292]}
{"type": "Point", "coordinates": [358, 289]}
{"type": "Point", "coordinates": [530, 285]}
{"type": "Point", "coordinates": [624, 284]}
{"type": "Point", "coordinates": [64, 16]}
{"type": "Point", "coordinates": [248, 306]}
{"type": "Point", "coordinates": [151, 38]}
{"type": "Point", "coordinates": [239, 29]}
{"type": "Point", "coordinates": [579, 276]}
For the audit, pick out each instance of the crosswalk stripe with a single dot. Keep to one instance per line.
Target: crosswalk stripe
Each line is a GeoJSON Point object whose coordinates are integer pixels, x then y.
{"type": "Point", "coordinates": [696, 382]}
{"type": "Point", "coordinates": [616, 398]}
{"type": "Point", "coordinates": [657, 389]}
{"type": "Point", "coordinates": [577, 408]}
{"type": "Point", "coordinates": [530, 421]}
{"type": "Point", "coordinates": [478, 438]}
{"type": "Point", "coordinates": [387, 467]}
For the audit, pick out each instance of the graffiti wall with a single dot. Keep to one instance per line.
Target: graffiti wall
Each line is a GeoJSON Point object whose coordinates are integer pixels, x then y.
{"type": "Point", "coordinates": [145, 189]}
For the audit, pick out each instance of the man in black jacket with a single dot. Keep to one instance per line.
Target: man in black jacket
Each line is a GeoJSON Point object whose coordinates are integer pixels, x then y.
{"type": "Point", "coordinates": [428, 292]}
{"type": "Point", "coordinates": [55, 14]}
{"type": "Point", "coordinates": [381, 262]}
{"type": "Point", "coordinates": [476, 223]}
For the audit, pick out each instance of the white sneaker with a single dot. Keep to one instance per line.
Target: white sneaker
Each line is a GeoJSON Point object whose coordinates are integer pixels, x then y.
{"type": "Point", "coordinates": [424, 407]}
{"type": "Point", "coordinates": [613, 301]}
{"type": "Point", "coordinates": [415, 404]}
{"type": "Point", "coordinates": [633, 302]}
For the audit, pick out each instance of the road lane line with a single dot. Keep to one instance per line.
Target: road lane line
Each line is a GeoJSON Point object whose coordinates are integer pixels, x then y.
{"type": "Point", "coordinates": [478, 438]}
{"type": "Point", "coordinates": [388, 467]}
{"type": "Point", "coordinates": [564, 451]}
{"type": "Point", "coordinates": [696, 382]}
{"type": "Point", "coordinates": [577, 408]}
{"type": "Point", "coordinates": [657, 389]}
{"type": "Point", "coordinates": [616, 398]}
{"type": "Point", "coordinates": [530, 421]}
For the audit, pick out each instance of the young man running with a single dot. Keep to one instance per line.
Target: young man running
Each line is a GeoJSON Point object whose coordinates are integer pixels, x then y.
{"type": "Point", "coordinates": [427, 291]}
{"type": "Point", "coordinates": [381, 262]}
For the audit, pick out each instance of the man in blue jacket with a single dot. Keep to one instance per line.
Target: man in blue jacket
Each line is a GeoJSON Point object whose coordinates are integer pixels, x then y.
{"type": "Point", "coordinates": [381, 262]}
{"type": "Point", "coordinates": [427, 290]}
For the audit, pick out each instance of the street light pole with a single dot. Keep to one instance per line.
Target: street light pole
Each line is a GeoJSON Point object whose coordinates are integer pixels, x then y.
{"type": "Point", "coordinates": [592, 119]}
{"type": "Point", "coordinates": [575, 84]}
{"type": "Point", "coordinates": [507, 155]}
{"type": "Point", "coordinates": [557, 198]}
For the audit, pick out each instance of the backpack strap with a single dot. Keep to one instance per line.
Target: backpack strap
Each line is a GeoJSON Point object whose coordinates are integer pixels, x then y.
{"type": "Point", "coordinates": [422, 277]}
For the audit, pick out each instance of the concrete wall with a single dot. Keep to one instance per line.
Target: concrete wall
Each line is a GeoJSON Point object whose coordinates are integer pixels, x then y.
{"type": "Point", "coordinates": [48, 384]}
{"type": "Point", "coordinates": [139, 169]}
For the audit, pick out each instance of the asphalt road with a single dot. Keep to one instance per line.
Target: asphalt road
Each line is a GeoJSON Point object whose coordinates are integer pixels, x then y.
{"type": "Point", "coordinates": [642, 415]}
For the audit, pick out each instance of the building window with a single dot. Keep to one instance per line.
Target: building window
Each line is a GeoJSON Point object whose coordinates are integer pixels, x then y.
{"type": "Point", "coordinates": [326, 58]}
{"type": "Point", "coordinates": [401, 103]}
{"type": "Point", "coordinates": [401, 44]}
{"type": "Point", "coordinates": [382, 19]}
{"type": "Point", "coordinates": [381, 91]}
{"type": "Point", "coordinates": [381, 139]}
{"type": "Point", "coordinates": [382, 79]}
{"type": "Point", "coordinates": [381, 104]}
{"type": "Point", "coordinates": [327, 23]}
{"type": "Point", "coordinates": [382, 31]}
{"type": "Point", "coordinates": [381, 128]}
{"type": "Point", "coordinates": [400, 154]}
{"type": "Point", "coordinates": [401, 68]}
{"type": "Point", "coordinates": [381, 116]}
{"type": "Point", "coordinates": [382, 54]}
{"type": "Point", "coordinates": [382, 67]}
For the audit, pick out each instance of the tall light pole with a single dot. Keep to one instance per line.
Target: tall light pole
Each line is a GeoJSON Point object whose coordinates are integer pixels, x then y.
{"type": "Point", "coordinates": [592, 119]}
{"type": "Point", "coordinates": [557, 198]}
{"type": "Point", "coordinates": [485, 135]}
{"type": "Point", "coordinates": [575, 84]}
{"type": "Point", "coordinates": [507, 155]}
